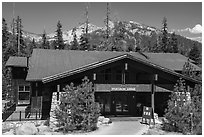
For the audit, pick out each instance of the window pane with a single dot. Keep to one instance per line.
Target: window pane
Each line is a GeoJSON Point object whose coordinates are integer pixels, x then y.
{"type": "Point", "coordinates": [119, 75]}
{"type": "Point", "coordinates": [107, 76]}
{"type": "Point", "coordinates": [21, 88]}
{"type": "Point", "coordinates": [27, 88]}
{"type": "Point", "coordinates": [107, 103]}
{"type": "Point", "coordinates": [23, 95]}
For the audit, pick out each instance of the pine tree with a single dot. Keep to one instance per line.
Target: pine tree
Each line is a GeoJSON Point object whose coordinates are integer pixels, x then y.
{"type": "Point", "coordinates": [74, 43]}
{"type": "Point", "coordinates": [156, 47]}
{"type": "Point", "coordinates": [184, 110]}
{"type": "Point", "coordinates": [174, 43]}
{"type": "Point", "coordinates": [5, 35]}
{"type": "Point", "coordinates": [78, 109]}
{"type": "Point", "coordinates": [138, 43]}
{"type": "Point", "coordinates": [12, 39]}
{"type": "Point", "coordinates": [32, 45]}
{"type": "Point", "coordinates": [118, 36]}
{"type": "Point", "coordinates": [19, 38]}
{"type": "Point", "coordinates": [164, 46]}
{"type": "Point", "coordinates": [84, 38]}
{"type": "Point", "coordinates": [107, 20]}
{"type": "Point", "coordinates": [7, 51]}
{"type": "Point", "coordinates": [195, 54]}
{"type": "Point", "coordinates": [59, 38]}
{"type": "Point", "coordinates": [5, 39]}
{"type": "Point", "coordinates": [84, 42]}
{"type": "Point", "coordinates": [53, 44]}
{"type": "Point", "coordinates": [45, 43]}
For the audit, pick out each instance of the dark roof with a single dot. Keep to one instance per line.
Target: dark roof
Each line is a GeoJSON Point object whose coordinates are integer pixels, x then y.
{"type": "Point", "coordinates": [17, 62]}
{"type": "Point", "coordinates": [45, 64]}
{"type": "Point", "coordinates": [173, 61]}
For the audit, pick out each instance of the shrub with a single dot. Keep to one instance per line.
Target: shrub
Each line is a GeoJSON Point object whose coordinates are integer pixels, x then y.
{"type": "Point", "coordinates": [184, 115]}
{"type": "Point", "coordinates": [78, 109]}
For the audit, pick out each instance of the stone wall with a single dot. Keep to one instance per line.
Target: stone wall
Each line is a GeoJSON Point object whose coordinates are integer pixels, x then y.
{"type": "Point", "coordinates": [54, 105]}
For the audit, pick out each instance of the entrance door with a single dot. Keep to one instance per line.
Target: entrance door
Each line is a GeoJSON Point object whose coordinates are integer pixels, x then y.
{"type": "Point", "coordinates": [121, 105]}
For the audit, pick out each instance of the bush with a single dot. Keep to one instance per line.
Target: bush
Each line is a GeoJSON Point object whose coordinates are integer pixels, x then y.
{"type": "Point", "coordinates": [184, 115]}
{"type": "Point", "coordinates": [78, 109]}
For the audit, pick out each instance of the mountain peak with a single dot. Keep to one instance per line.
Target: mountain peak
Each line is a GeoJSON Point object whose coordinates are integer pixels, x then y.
{"type": "Point", "coordinates": [130, 27]}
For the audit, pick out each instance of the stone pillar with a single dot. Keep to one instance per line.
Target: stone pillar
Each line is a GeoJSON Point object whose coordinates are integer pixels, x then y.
{"type": "Point", "coordinates": [55, 102]}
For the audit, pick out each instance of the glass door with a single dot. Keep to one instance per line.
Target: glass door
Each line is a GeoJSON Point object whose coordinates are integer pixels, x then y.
{"type": "Point", "coordinates": [121, 103]}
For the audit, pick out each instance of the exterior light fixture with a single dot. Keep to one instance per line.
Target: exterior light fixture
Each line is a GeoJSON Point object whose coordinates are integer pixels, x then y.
{"type": "Point", "coordinates": [156, 77]}
{"type": "Point", "coordinates": [94, 76]}
{"type": "Point", "coordinates": [126, 66]}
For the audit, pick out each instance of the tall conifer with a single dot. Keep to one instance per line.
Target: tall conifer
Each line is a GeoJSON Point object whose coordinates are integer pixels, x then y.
{"type": "Point", "coordinates": [19, 38]}
{"type": "Point", "coordinates": [164, 46]}
{"type": "Point", "coordinates": [59, 38]}
{"type": "Point", "coordinates": [45, 43]}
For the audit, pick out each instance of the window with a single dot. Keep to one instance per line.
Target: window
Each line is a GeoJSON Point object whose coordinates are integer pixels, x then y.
{"type": "Point", "coordinates": [126, 76]}
{"type": "Point", "coordinates": [119, 75]}
{"type": "Point", "coordinates": [23, 94]}
{"type": "Point", "coordinates": [107, 74]}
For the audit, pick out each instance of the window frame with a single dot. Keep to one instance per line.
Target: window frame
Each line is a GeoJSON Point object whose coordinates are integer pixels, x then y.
{"type": "Point", "coordinates": [24, 91]}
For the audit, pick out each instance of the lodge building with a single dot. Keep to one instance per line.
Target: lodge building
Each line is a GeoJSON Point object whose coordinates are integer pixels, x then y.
{"type": "Point", "coordinates": [123, 81]}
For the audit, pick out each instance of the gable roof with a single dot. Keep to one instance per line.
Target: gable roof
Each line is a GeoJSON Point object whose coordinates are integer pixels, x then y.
{"type": "Point", "coordinates": [173, 61]}
{"type": "Point", "coordinates": [54, 64]}
{"type": "Point", "coordinates": [17, 62]}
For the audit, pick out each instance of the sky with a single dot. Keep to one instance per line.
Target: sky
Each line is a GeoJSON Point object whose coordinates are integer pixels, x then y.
{"type": "Point", "coordinates": [184, 18]}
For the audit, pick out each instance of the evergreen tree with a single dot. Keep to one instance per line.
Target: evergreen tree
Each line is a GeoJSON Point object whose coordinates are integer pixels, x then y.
{"type": "Point", "coordinates": [84, 38]}
{"type": "Point", "coordinates": [78, 109]}
{"type": "Point", "coordinates": [5, 35]}
{"type": "Point", "coordinates": [19, 38]}
{"type": "Point", "coordinates": [45, 43]}
{"type": "Point", "coordinates": [156, 48]}
{"type": "Point", "coordinates": [84, 42]}
{"type": "Point", "coordinates": [107, 20]}
{"type": "Point", "coordinates": [164, 46]}
{"type": "Point", "coordinates": [189, 70]}
{"type": "Point", "coordinates": [118, 36]}
{"type": "Point", "coordinates": [5, 39]}
{"type": "Point", "coordinates": [7, 51]}
{"type": "Point", "coordinates": [12, 40]}
{"type": "Point", "coordinates": [32, 45]}
{"type": "Point", "coordinates": [138, 43]}
{"type": "Point", "coordinates": [59, 37]}
{"type": "Point", "coordinates": [174, 43]}
{"type": "Point", "coordinates": [74, 43]}
{"type": "Point", "coordinates": [67, 46]}
{"type": "Point", "coordinates": [195, 54]}
{"type": "Point", "coordinates": [184, 112]}
{"type": "Point", "coordinates": [53, 44]}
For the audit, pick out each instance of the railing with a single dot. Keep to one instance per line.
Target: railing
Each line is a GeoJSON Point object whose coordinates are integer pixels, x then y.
{"type": "Point", "coordinates": [22, 115]}
{"type": "Point", "coordinates": [8, 112]}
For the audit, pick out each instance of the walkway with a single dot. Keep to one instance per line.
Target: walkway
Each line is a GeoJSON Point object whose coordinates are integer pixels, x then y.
{"type": "Point", "coordinates": [122, 126]}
